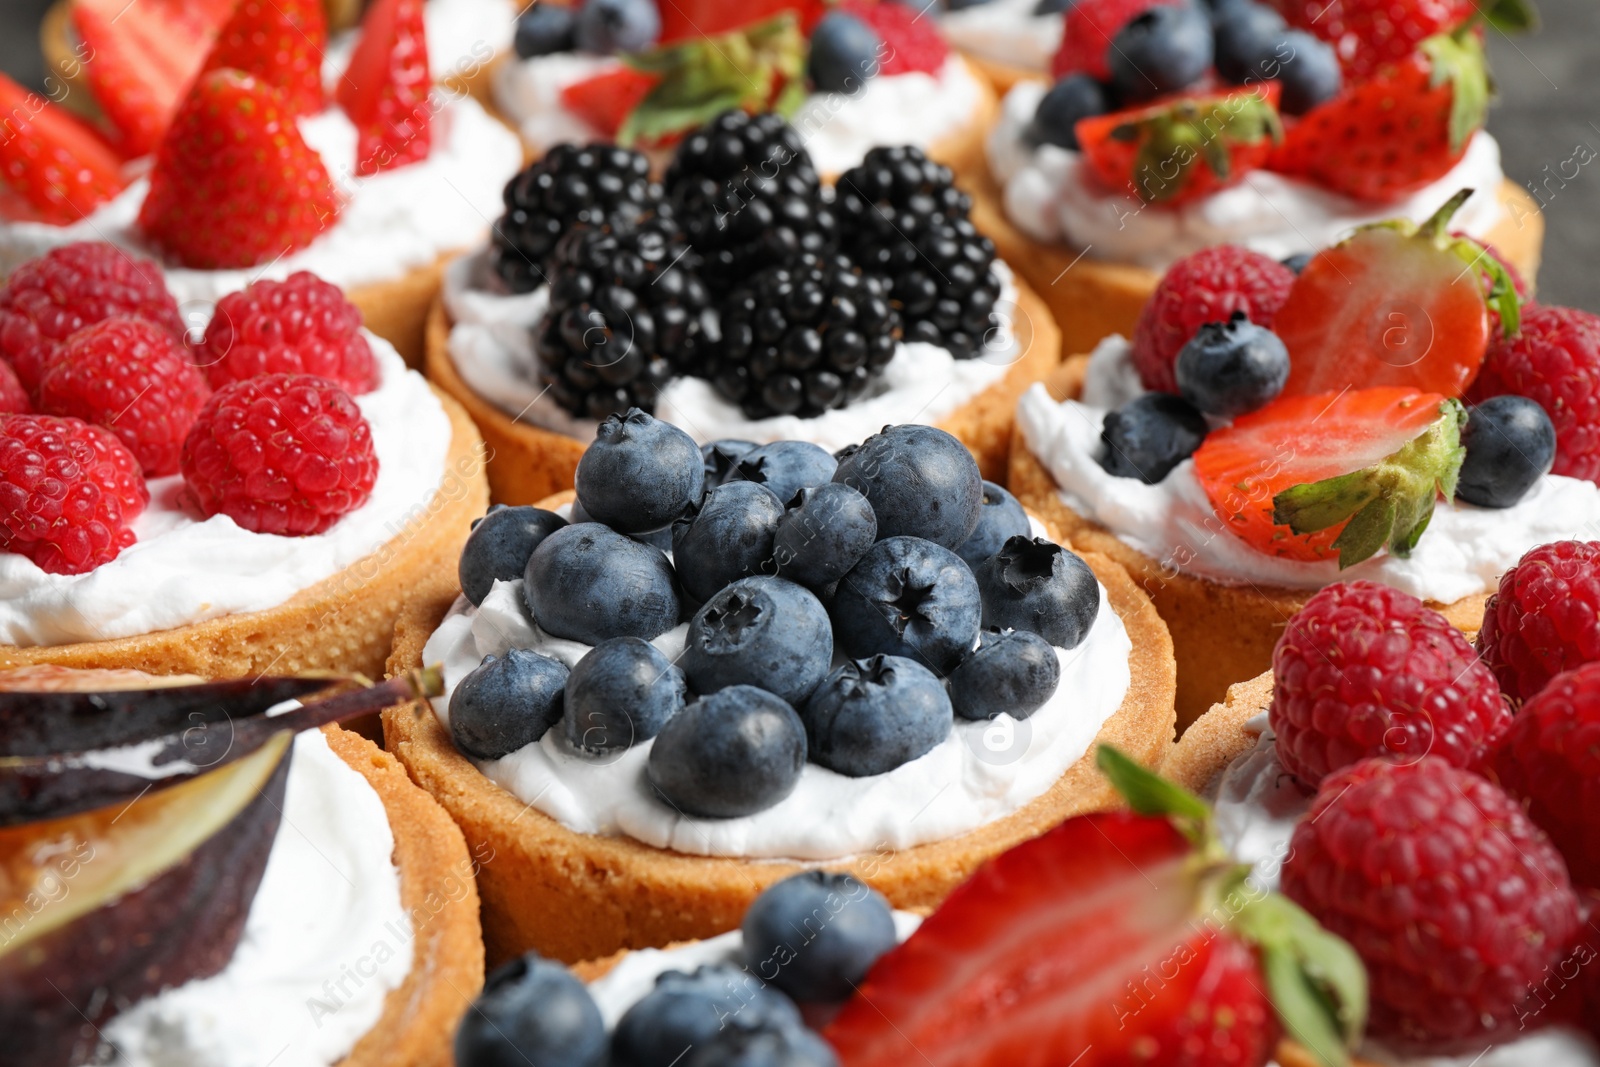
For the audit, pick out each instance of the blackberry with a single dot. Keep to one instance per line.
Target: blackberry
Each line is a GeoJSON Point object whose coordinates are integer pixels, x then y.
{"type": "Point", "coordinates": [748, 195]}
{"type": "Point", "coordinates": [800, 339]}
{"type": "Point", "coordinates": [901, 216]}
{"type": "Point", "coordinates": [593, 184]}
{"type": "Point", "coordinates": [627, 307]}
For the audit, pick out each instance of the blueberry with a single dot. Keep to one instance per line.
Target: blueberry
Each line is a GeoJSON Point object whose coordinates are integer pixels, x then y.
{"type": "Point", "coordinates": [607, 26]}
{"type": "Point", "coordinates": [786, 467]}
{"type": "Point", "coordinates": [823, 535]}
{"type": "Point", "coordinates": [1149, 436]}
{"type": "Point", "coordinates": [869, 716]}
{"type": "Point", "coordinates": [1230, 368]}
{"type": "Point", "coordinates": [844, 54]}
{"type": "Point", "coordinates": [1000, 519]}
{"type": "Point", "coordinates": [640, 473]}
{"type": "Point", "coordinates": [1013, 672]}
{"type": "Point", "coordinates": [920, 481]}
{"type": "Point", "coordinates": [908, 597]}
{"type": "Point", "coordinates": [1297, 262]}
{"type": "Point", "coordinates": [661, 538]}
{"type": "Point", "coordinates": [815, 935]}
{"type": "Point", "coordinates": [1163, 50]}
{"type": "Point", "coordinates": [621, 692]}
{"type": "Point", "coordinates": [586, 582]}
{"type": "Point", "coordinates": [722, 457]}
{"type": "Point", "coordinates": [1246, 37]}
{"type": "Point", "coordinates": [738, 1046]}
{"type": "Point", "coordinates": [1038, 586]}
{"type": "Point", "coordinates": [931, 7]}
{"type": "Point", "coordinates": [499, 546]}
{"type": "Point", "coordinates": [1077, 96]}
{"type": "Point", "coordinates": [532, 1010]}
{"type": "Point", "coordinates": [685, 1011]}
{"type": "Point", "coordinates": [1510, 445]}
{"type": "Point", "coordinates": [544, 28]}
{"type": "Point", "coordinates": [1051, 7]}
{"type": "Point", "coordinates": [735, 752]}
{"type": "Point", "coordinates": [727, 536]}
{"type": "Point", "coordinates": [505, 703]}
{"type": "Point", "coordinates": [1308, 69]}
{"type": "Point", "coordinates": [759, 631]}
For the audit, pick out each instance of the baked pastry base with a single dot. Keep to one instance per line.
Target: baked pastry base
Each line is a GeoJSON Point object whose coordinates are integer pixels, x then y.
{"type": "Point", "coordinates": [1093, 298]}
{"type": "Point", "coordinates": [527, 464]}
{"type": "Point", "coordinates": [344, 623]}
{"type": "Point", "coordinates": [579, 896]}
{"type": "Point", "coordinates": [1221, 633]}
{"type": "Point", "coordinates": [397, 310]}
{"type": "Point", "coordinates": [1004, 76]}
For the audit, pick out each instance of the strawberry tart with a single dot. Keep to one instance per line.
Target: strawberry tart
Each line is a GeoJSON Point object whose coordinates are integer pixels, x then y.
{"type": "Point", "coordinates": [259, 497]}
{"type": "Point", "coordinates": [1190, 126]}
{"type": "Point", "coordinates": [902, 682]}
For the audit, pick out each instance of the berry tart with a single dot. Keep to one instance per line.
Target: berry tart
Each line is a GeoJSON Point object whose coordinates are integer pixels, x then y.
{"type": "Point", "coordinates": [1227, 454]}
{"type": "Point", "coordinates": [259, 497]}
{"type": "Point", "coordinates": [1441, 823]}
{"type": "Point", "coordinates": [241, 888]}
{"type": "Point", "coordinates": [1188, 127]}
{"type": "Point", "coordinates": [248, 167]}
{"type": "Point", "coordinates": [850, 75]}
{"type": "Point", "coordinates": [733, 305]}
{"type": "Point", "coordinates": [894, 672]}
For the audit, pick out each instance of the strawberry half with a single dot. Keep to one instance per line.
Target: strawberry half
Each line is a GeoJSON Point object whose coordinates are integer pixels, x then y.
{"type": "Point", "coordinates": [606, 100]}
{"type": "Point", "coordinates": [1334, 475]}
{"type": "Point", "coordinates": [385, 89]}
{"type": "Point", "coordinates": [1116, 938]}
{"type": "Point", "coordinates": [1184, 147]}
{"type": "Point", "coordinates": [1396, 304]}
{"type": "Point", "coordinates": [281, 42]}
{"type": "Point", "coordinates": [53, 168]}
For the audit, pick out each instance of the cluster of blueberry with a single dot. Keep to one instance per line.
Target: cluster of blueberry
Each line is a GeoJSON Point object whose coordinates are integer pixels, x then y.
{"type": "Point", "coordinates": [895, 553]}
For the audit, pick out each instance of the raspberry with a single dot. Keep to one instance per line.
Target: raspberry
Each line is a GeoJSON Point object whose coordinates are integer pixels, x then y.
{"type": "Point", "coordinates": [1087, 32]}
{"type": "Point", "coordinates": [910, 42]}
{"type": "Point", "coordinates": [1208, 286]}
{"type": "Point", "coordinates": [69, 493]}
{"type": "Point", "coordinates": [1544, 618]}
{"type": "Point", "coordinates": [1453, 898]}
{"type": "Point", "coordinates": [1554, 361]}
{"type": "Point", "coordinates": [1366, 670]}
{"type": "Point", "coordinates": [13, 397]}
{"type": "Point", "coordinates": [301, 325]}
{"type": "Point", "coordinates": [48, 299]}
{"type": "Point", "coordinates": [133, 379]}
{"type": "Point", "coordinates": [280, 454]}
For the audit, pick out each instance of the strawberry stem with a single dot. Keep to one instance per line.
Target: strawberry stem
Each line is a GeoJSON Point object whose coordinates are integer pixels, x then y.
{"type": "Point", "coordinates": [1436, 225]}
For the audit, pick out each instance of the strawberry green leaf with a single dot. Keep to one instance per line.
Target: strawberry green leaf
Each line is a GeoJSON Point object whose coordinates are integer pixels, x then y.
{"type": "Point", "coordinates": [1512, 16]}
{"type": "Point", "coordinates": [1146, 791]}
{"type": "Point", "coordinates": [1460, 62]}
{"type": "Point", "coordinates": [1316, 981]}
{"type": "Point", "coordinates": [1172, 142]}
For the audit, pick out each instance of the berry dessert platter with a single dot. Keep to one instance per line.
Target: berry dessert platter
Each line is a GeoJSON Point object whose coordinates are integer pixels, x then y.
{"type": "Point", "coordinates": [741, 298]}
{"type": "Point", "coordinates": [850, 75]}
{"type": "Point", "coordinates": [1393, 412]}
{"type": "Point", "coordinates": [1173, 127]}
{"type": "Point", "coordinates": [1433, 804]}
{"type": "Point", "coordinates": [1113, 939]}
{"type": "Point", "coordinates": [874, 662]}
{"type": "Point", "coordinates": [245, 166]}
{"type": "Point", "coordinates": [194, 878]}
{"type": "Point", "coordinates": [260, 498]}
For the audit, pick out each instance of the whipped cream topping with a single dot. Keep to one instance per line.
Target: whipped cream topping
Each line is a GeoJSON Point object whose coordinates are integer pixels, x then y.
{"type": "Point", "coordinates": [390, 223]}
{"type": "Point", "coordinates": [1053, 195]}
{"type": "Point", "coordinates": [1007, 31]}
{"type": "Point", "coordinates": [325, 941]}
{"type": "Point", "coordinates": [184, 569]}
{"type": "Point", "coordinates": [463, 36]}
{"type": "Point", "coordinates": [1464, 552]}
{"type": "Point", "coordinates": [491, 345]}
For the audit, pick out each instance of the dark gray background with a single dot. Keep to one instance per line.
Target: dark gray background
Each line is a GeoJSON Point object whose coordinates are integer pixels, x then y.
{"type": "Point", "coordinates": [1547, 120]}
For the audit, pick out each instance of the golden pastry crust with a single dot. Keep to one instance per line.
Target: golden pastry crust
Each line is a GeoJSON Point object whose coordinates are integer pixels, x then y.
{"type": "Point", "coordinates": [1004, 76]}
{"type": "Point", "coordinates": [1221, 633]}
{"type": "Point", "coordinates": [580, 896]}
{"type": "Point", "coordinates": [343, 623]}
{"type": "Point", "coordinates": [397, 310]}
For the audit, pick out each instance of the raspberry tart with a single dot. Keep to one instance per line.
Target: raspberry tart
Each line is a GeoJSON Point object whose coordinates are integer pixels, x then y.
{"type": "Point", "coordinates": [260, 496]}
{"type": "Point", "coordinates": [1173, 130]}
{"type": "Point", "coordinates": [876, 732]}
{"type": "Point", "coordinates": [1203, 453]}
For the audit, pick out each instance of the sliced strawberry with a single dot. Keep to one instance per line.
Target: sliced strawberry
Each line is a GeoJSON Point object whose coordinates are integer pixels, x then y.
{"type": "Point", "coordinates": [606, 100]}
{"type": "Point", "coordinates": [235, 184]}
{"type": "Point", "coordinates": [1087, 30]}
{"type": "Point", "coordinates": [385, 88]}
{"type": "Point", "coordinates": [1334, 474]}
{"type": "Point", "coordinates": [282, 43]}
{"type": "Point", "coordinates": [683, 20]}
{"type": "Point", "coordinates": [53, 168]}
{"type": "Point", "coordinates": [911, 43]}
{"type": "Point", "coordinates": [1181, 148]}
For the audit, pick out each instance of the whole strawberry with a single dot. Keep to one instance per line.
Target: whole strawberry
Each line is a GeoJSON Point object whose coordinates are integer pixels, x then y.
{"type": "Point", "coordinates": [1544, 618]}
{"type": "Point", "coordinates": [133, 379]}
{"type": "Point", "coordinates": [1453, 898]}
{"type": "Point", "coordinates": [279, 41]}
{"type": "Point", "coordinates": [1366, 670]}
{"type": "Point", "coordinates": [53, 167]}
{"type": "Point", "coordinates": [1208, 286]}
{"type": "Point", "coordinates": [280, 454]}
{"type": "Point", "coordinates": [1366, 34]}
{"type": "Point", "coordinates": [301, 325]}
